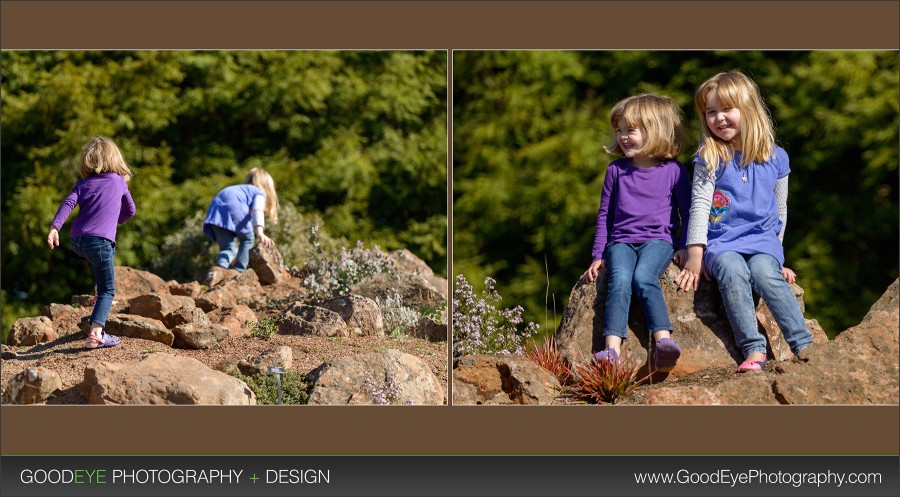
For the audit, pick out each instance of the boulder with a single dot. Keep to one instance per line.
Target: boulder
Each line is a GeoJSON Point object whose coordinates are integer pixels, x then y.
{"type": "Point", "coordinates": [281, 356]}
{"type": "Point", "coordinates": [302, 319]}
{"type": "Point", "coordinates": [361, 314]}
{"type": "Point", "coordinates": [430, 330]}
{"type": "Point", "coordinates": [360, 379]}
{"type": "Point", "coordinates": [31, 331]}
{"type": "Point", "coordinates": [185, 315]}
{"type": "Point", "coordinates": [191, 289]}
{"type": "Point", "coordinates": [234, 319]}
{"type": "Point", "coordinates": [244, 289]}
{"type": "Point", "coordinates": [268, 264]}
{"type": "Point", "coordinates": [502, 379]}
{"type": "Point", "coordinates": [199, 336]}
{"type": "Point", "coordinates": [414, 289]}
{"type": "Point", "coordinates": [65, 317]}
{"type": "Point", "coordinates": [129, 325]}
{"type": "Point", "coordinates": [162, 379]}
{"type": "Point", "coordinates": [134, 282]}
{"type": "Point", "coordinates": [218, 275]}
{"type": "Point", "coordinates": [31, 386]}
{"type": "Point", "coordinates": [157, 305]}
{"type": "Point", "coordinates": [406, 261]}
{"type": "Point", "coordinates": [698, 319]}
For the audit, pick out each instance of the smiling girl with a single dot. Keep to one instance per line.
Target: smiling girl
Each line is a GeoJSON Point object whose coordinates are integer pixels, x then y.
{"type": "Point", "coordinates": [645, 199]}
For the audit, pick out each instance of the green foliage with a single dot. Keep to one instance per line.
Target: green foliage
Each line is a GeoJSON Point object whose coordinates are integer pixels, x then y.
{"type": "Point", "coordinates": [528, 168]}
{"type": "Point", "coordinates": [294, 389]}
{"type": "Point", "coordinates": [354, 140]}
{"type": "Point", "coordinates": [264, 328]}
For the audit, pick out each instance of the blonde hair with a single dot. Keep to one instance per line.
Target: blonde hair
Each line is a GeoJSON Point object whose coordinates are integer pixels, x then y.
{"type": "Point", "coordinates": [757, 133]}
{"type": "Point", "coordinates": [101, 155]}
{"type": "Point", "coordinates": [262, 180]}
{"type": "Point", "coordinates": [658, 118]}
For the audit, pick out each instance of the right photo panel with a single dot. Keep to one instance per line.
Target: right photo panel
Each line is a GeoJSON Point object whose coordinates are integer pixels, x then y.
{"type": "Point", "coordinates": [671, 228]}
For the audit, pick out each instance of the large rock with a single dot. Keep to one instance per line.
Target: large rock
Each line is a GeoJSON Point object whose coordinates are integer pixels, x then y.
{"type": "Point", "coordinates": [185, 315]}
{"type": "Point", "coordinates": [162, 379]}
{"type": "Point", "coordinates": [430, 330]}
{"type": "Point", "coordinates": [199, 336]}
{"type": "Point", "coordinates": [65, 317]}
{"type": "Point", "coordinates": [302, 319]}
{"type": "Point", "coordinates": [414, 289]}
{"type": "Point", "coordinates": [502, 379]}
{"type": "Point", "coordinates": [134, 282]}
{"type": "Point", "coordinates": [361, 314]}
{"type": "Point", "coordinates": [157, 305]}
{"type": "Point", "coordinates": [860, 366]}
{"type": "Point", "coordinates": [358, 379]}
{"type": "Point", "coordinates": [268, 264]}
{"type": "Point", "coordinates": [190, 289]}
{"type": "Point", "coordinates": [406, 261]}
{"type": "Point", "coordinates": [31, 386]}
{"type": "Point", "coordinates": [31, 331]}
{"type": "Point", "coordinates": [243, 289]}
{"type": "Point", "coordinates": [238, 320]}
{"type": "Point", "coordinates": [281, 356]}
{"type": "Point", "coordinates": [698, 319]}
{"type": "Point", "coordinates": [129, 325]}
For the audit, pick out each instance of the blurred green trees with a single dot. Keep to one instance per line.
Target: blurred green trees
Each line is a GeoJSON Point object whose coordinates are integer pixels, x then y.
{"type": "Point", "coordinates": [528, 164]}
{"type": "Point", "coordinates": [357, 139]}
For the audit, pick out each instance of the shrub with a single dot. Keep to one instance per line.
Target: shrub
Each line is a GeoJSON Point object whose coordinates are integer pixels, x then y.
{"type": "Point", "coordinates": [264, 328]}
{"type": "Point", "coordinates": [547, 355]}
{"type": "Point", "coordinates": [605, 382]}
{"type": "Point", "coordinates": [294, 389]}
{"type": "Point", "coordinates": [398, 319]}
{"type": "Point", "coordinates": [333, 276]}
{"type": "Point", "coordinates": [480, 328]}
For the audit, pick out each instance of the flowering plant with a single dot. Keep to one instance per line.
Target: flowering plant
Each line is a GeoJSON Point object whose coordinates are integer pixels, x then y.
{"type": "Point", "coordinates": [479, 327]}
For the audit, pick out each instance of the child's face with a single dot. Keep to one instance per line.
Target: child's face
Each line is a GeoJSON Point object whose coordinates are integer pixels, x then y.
{"type": "Point", "coordinates": [723, 122]}
{"type": "Point", "coordinates": [629, 139]}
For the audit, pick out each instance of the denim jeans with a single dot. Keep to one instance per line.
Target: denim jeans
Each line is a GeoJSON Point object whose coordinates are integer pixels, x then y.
{"type": "Point", "coordinates": [100, 253]}
{"type": "Point", "coordinates": [229, 249]}
{"type": "Point", "coordinates": [637, 268]}
{"type": "Point", "coordinates": [739, 275]}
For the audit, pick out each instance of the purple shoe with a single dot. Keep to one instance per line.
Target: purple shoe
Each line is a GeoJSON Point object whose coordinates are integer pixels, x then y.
{"type": "Point", "coordinates": [607, 355]}
{"type": "Point", "coordinates": [665, 355]}
{"type": "Point", "coordinates": [104, 340]}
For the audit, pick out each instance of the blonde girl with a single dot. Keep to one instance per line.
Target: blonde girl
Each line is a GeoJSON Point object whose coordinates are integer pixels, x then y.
{"type": "Point", "coordinates": [237, 213]}
{"type": "Point", "coordinates": [645, 200]}
{"type": "Point", "coordinates": [739, 213]}
{"type": "Point", "coordinates": [105, 202]}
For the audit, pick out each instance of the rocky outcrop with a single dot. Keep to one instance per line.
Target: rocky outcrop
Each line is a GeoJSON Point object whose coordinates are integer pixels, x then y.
{"type": "Point", "coordinates": [698, 319]}
{"type": "Point", "coordinates": [243, 289]}
{"type": "Point", "coordinates": [302, 319]}
{"type": "Point", "coordinates": [268, 264]}
{"type": "Point", "coordinates": [31, 386]}
{"type": "Point", "coordinates": [31, 331]}
{"type": "Point", "coordinates": [414, 289]}
{"type": "Point", "coordinates": [390, 376]}
{"type": "Point", "coordinates": [277, 357]}
{"type": "Point", "coordinates": [238, 320]}
{"type": "Point", "coordinates": [361, 314]}
{"type": "Point", "coordinates": [198, 336]}
{"type": "Point", "coordinates": [430, 330]}
{"type": "Point", "coordinates": [502, 379]}
{"type": "Point", "coordinates": [406, 261]}
{"type": "Point", "coordinates": [128, 325]}
{"type": "Point", "coordinates": [162, 379]}
{"type": "Point", "coordinates": [157, 305]}
{"type": "Point", "coordinates": [134, 282]}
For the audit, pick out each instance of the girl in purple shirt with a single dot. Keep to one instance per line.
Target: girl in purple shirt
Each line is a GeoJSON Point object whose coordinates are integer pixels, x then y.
{"type": "Point", "coordinates": [646, 199]}
{"type": "Point", "coordinates": [105, 202]}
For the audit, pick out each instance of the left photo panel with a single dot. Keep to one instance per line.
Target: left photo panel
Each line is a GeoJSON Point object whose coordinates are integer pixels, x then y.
{"type": "Point", "coordinates": [224, 227]}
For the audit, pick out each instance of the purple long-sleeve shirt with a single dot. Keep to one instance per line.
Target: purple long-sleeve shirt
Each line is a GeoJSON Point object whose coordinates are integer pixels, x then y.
{"type": "Point", "coordinates": [638, 205]}
{"type": "Point", "coordinates": [105, 203]}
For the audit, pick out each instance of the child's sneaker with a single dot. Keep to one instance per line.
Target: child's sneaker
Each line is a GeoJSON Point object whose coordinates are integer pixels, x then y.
{"type": "Point", "coordinates": [665, 355]}
{"type": "Point", "coordinates": [608, 354]}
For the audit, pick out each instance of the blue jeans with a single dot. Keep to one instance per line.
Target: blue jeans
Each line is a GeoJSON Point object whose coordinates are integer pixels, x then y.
{"type": "Point", "coordinates": [100, 253]}
{"type": "Point", "coordinates": [636, 267]}
{"type": "Point", "coordinates": [229, 249]}
{"type": "Point", "coordinates": [740, 275]}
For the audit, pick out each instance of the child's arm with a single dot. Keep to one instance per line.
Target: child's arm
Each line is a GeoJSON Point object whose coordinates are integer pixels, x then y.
{"type": "Point", "coordinates": [65, 208]}
{"type": "Point", "coordinates": [601, 235]}
{"type": "Point", "coordinates": [781, 195]}
{"type": "Point", "coordinates": [128, 209]}
{"type": "Point", "coordinates": [257, 213]}
{"type": "Point", "coordinates": [683, 203]}
{"type": "Point", "coordinates": [701, 201]}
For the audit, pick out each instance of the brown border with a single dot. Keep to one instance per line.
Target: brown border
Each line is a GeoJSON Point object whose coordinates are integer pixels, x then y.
{"type": "Point", "coordinates": [447, 430]}
{"type": "Point", "coordinates": [499, 24]}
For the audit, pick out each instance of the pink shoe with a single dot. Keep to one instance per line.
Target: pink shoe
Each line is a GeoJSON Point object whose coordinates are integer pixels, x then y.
{"type": "Point", "coordinates": [752, 365]}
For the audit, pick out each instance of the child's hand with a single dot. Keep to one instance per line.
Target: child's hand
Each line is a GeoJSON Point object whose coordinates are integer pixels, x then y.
{"type": "Point", "coordinates": [689, 277]}
{"type": "Point", "coordinates": [680, 257]}
{"type": "Point", "coordinates": [592, 271]}
{"type": "Point", "coordinates": [53, 238]}
{"type": "Point", "coordinates": [266, 241]}
{"type": "Point", "coordinates": [789, 275]}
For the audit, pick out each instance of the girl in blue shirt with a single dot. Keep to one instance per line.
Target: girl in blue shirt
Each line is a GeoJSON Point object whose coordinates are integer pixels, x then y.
{"type": "Point", "coordinates": [236, 214]}
{"type": "Point", "coordinates": [738, 215]}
